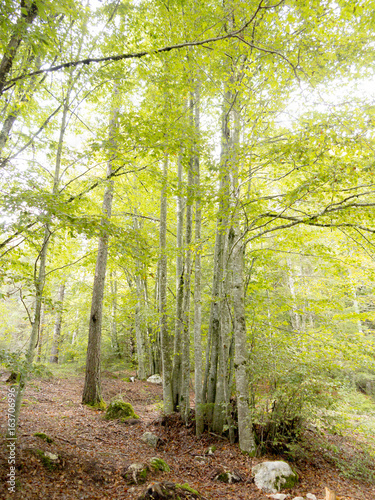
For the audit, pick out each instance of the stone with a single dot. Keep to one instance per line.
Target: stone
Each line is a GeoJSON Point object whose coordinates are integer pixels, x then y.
{"type": "Point", "coordinates": [279, 496]}
{"type": "Point", "coordinates": [229, 478]}
{"type": "Point", "coordinates": [51, 456]}
{"type": "Point", "coordinates": [272, 477]}
{"type": "Point", "coordinates": [136, 473]}
{"type": "Point", "coordinates": [150, 439]}
{"type": "Point", "coordinates": [155, 379]}
{"type": "Point", "coordinates": [298, 498]}
{"type": "Point", "coordinates": [311, 496]}
{"type": "Point", "coordinates": [118, 409]}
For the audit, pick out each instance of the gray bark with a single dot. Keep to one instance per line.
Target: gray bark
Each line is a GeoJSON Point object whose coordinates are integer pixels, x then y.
{"type": "Point", "coordinates": [199, 413]}
{"type": "Point", "coordinates": [177, 350]}
{"type": "Point", "coordinates": [54, 357]}
{"type": "Point", "coordinates": [164, 333]}
{"type": "Point", "coordinates": [92, 388]}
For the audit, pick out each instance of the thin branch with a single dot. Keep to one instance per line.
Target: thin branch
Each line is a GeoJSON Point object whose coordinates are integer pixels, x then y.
{"type": "Point", "coordinates": [143, 53]}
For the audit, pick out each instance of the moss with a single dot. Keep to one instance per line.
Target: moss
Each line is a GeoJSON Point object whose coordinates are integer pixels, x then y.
{"type": "Point", "coordinates": [120, 410]}
{"type": "Point", "coordinates": [43, 436]}
{"type": "Point", "coordinates": [286, 482]}
{"type": "Point", "coordinates": [188, 488]}
{"type": "Point", "coordinates": [159, 464]}
{"type": "Point", "coordinates": [98, 406]}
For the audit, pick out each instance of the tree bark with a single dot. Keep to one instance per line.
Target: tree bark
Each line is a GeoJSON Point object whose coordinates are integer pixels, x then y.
{"type": "Point", "coordinates": [29, 12]}
{"type": "Point", "coordinates": [92, 394]}
{"type": "Point", "coordinates": [164, 334]}
{"type": "Point", "coordinates": [54, 358]}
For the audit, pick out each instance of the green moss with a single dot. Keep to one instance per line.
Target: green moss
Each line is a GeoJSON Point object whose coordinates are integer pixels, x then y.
{"type": "Point", "coordinates": [98, 406]}
{"type": "Point", "coordinates": [286, 482]}
{"type": "Point", "coordinates": [43, 436]}
{"type": "Point", "coordinates": [188, 488]}
{"type": "Point", "coordinates": [120, 410]}
{"type": "Point", "coordinates": [159, 464]}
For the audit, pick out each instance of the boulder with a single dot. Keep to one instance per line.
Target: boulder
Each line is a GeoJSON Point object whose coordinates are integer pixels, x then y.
{"type": "Point", "coordinates": [272, 477]}
{"type": "Point", "coordinates": [155, 379]}
{"type": "Point", "coordinates": [118, 409]}
{"type": "Point", "coordinates": [150, 439]}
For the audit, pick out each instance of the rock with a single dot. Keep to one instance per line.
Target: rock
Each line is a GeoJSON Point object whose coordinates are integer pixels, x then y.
{"type": "Point", "coordinates": [229, 478]}
{"type": "Point", "coordinates": [51, 456]}
{"type": "Point", "coordinates": [272, 477]}
{"type": "Point", "coordinates": [279, 496]}
{"type": "Point", "coordinates": [131, 421]}
{"type": "Point", "coordinates": [155, 379]}
{"type": "Point", "coordinates": [202, 460]}
{"type": "Point", "coordinates": [298, 498]}
{"type": "Point", "coordinates": [136, 473]}
{"type": "Point", "coordinates": [310, 496]}
{"type": "Point", "coordinates": [118, 409]}
{"type": "Point", "coordinates": [150, 439]}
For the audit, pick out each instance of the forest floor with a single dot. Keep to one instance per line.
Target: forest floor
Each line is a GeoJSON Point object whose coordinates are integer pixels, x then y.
{"type": "Point", "coordinates": [94, 452]}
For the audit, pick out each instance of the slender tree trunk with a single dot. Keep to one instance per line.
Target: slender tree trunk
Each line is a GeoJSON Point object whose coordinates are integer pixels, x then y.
{"type": "Point", "coordinates": [139, 333]}
{"type": "Point", "coordinates": [41, 334]}
{"type": "Point", "coordinates": [92, 388]}
{"type": "Point", "coordinates": [177, 371]}
{"type": "Point", "coordinates": [164, 334]}
{"type": "Point", "coordinates": [114, 337]}
{"type": "Point", "coordinates": [39, 279]}
{"type": "Point", "coordinates": [199, 414]}
{"type": "Point", "coordinates": [54, 358]}
{"type": "Point", "coordinates": [241, 359]}
{"type": "Point", "coordinates": [39, 287]}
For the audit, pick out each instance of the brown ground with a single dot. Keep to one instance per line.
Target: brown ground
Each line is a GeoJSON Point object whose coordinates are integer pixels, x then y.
{"type": "Point", "coordinates": [93, 452]}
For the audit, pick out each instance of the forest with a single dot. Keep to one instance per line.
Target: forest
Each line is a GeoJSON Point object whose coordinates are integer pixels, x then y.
{"type": "Point", "coordinates": [187, 190]}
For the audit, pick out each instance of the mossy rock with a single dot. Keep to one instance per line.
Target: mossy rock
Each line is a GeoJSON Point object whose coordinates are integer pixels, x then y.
{"type": "Point", "coordinates": [159, 464]}
{"type": "Point", "coordinates": [43, 436]}
{"type": "Point", "coordinates": [120, 410]}
{"type": "Point", "coordinates": [169, 491]}
{"type": "Point", "coordinates": [49, 460]}
{"type": "Point", "coordinates": [136, 473]}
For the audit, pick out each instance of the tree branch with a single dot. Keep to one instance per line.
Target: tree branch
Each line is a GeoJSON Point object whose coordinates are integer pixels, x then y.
{"type": "Point", "coordinates": [137, 55]}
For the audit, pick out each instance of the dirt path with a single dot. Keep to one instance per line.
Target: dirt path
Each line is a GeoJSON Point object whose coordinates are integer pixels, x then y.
{"type": "Point", "coordinates": [94, 452]}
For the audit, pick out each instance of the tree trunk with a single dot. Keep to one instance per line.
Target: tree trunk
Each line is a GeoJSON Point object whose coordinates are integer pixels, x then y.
{"type": "Point", "coordinates": [92, 388]}
{"type": "Point", "coordinates": [114, 338]}
{"type": "Point", "coordinates": [54, 358]}
{"type": "Point", "coordinates": [177, 350]}
{"type": "Point", "coordinates": [164, 334]}
{"type": "Point", "coordinates": [29, 11]}
{"type": "Point", "coordinates": [199, 414]}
